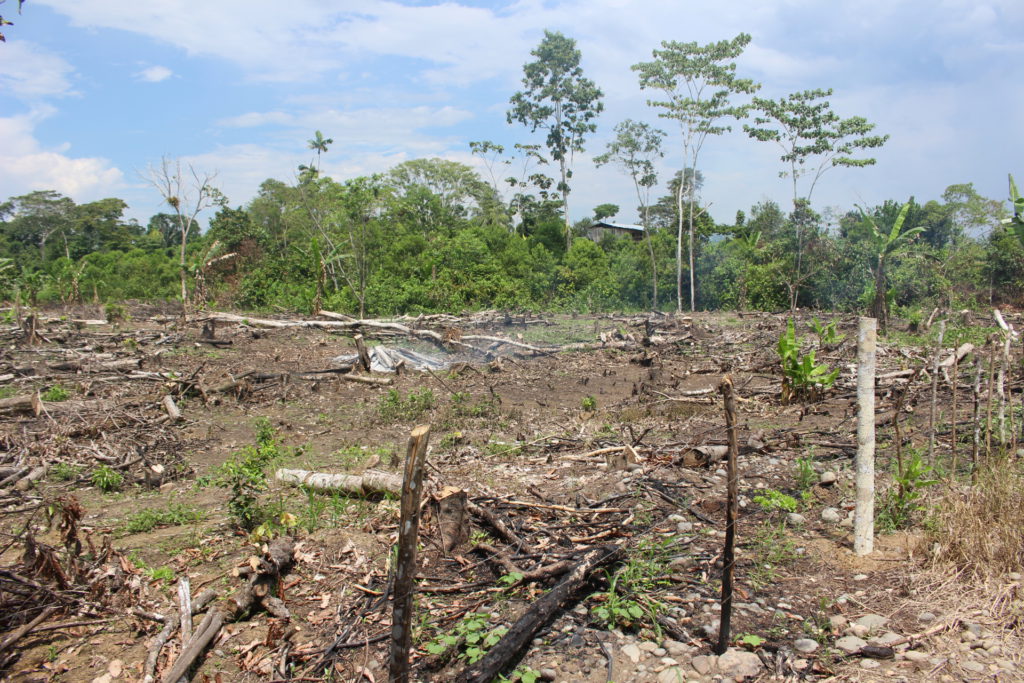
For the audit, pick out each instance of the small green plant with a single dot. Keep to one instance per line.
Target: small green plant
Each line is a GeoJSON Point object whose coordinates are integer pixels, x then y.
{"type": "Point", "coordinates": [8, 391]}
{"type": "Point", "coordinates": [806, 477]}
{"type": "Point", "coordinates": [899, 503]}
{"type": "Point", "coordinates": [802, 377]}
{"type": "Point", "coordinates": [175, 514]}
{"type": "Point", "coordinates": [393, 406]}
{"type": "Point", "coordinates": [55, 393]}
{"type": "Point", "coordinates": [244, 474]}
{"type": "Point", "coordinates": [826, 333]}
{"type": "Point", "coordinates": [62, 471]}
{"type": "Point", "coordinates": [106, 478]}
{"type": "Point", "coordinates": [629, 596]}
{"type": "Point", "coordinates": [165, 574]}
{"type": "Point", "coordinates": [775, 501]}
{"type": "Point", "coordinates": [749, 641]}
{"type": "Point", "coordinates": [589, 404]}
{"type": "Point", "coordinates": [116, 313]}
{"type": "Point", "coordinates": [472, 636]}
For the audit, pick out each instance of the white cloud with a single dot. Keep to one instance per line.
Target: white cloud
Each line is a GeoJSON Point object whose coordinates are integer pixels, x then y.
{"type": "Point", "coordinates": [30, 72]}
{"type": "Point", "coordinates": [25, 166]}
{"type": "Point", "coordinates": [154, 74]}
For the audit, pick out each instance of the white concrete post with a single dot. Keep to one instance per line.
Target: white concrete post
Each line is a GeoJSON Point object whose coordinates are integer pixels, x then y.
{"type": "Point", "coordinates": [864, 513]}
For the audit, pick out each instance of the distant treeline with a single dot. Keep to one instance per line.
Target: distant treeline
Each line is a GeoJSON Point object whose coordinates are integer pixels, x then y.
{"type": "Point", "coordinates": [431, 235]}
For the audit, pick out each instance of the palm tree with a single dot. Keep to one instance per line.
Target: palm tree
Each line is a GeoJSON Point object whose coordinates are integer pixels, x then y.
{"type": "Point", "coordinates": [319, 145]}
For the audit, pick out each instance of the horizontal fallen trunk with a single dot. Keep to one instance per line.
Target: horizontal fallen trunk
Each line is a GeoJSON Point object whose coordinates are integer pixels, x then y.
{"type": "Point", "coordinates": [370, 481]}
{"type": "Point", "coordinates": [22, 403]}
{"type": "Point", "coordinates": [539, 614]}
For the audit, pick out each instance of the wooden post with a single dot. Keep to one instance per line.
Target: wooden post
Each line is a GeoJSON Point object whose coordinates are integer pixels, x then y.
{"type": "Point", "coordinates": [935, 393]}
{"type": "Point", "coordinates": [864, 513]}
{"type": "Point", "coordinates": [953, 445]}
{"type": "Point", "coordinates": [731, 513]}
{"type": "Point", "coordinates": [405, 566]}
{"type": "Point", "coordinates": [989, 395]}
{"type": "Point", "coordinates": [977, 418]}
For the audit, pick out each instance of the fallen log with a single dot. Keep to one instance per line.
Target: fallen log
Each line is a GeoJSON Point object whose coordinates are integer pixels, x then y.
{"type": "Point", "coordinates": [370, 481]}
{"type": "Point", "coordinates": [539, 614]}
{"type": "Point", "coordinates": [496, 523]}
{"type": "Point", "coordinates": [23, 403]}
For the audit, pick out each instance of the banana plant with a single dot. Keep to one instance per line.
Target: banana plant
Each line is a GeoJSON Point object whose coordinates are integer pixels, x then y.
{"type": "Point", "coordinates": [1016, 222]}
{"type": "Point", "coordinates": [887, 245]}
{"type": "Point", "coordinates": [802, 375]}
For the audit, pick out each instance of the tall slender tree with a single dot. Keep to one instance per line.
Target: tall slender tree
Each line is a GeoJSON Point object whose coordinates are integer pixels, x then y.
{"type": "Point", "coordinates": [188, 194]}
{"type": "Point", "coordinates": [635, 148]}
{"type": "Point", "coordinates": [558, 98]}
{"type": "Point", "coordinates": [813, 139]}
{"type": "Point", "coordinates": [698, 82]}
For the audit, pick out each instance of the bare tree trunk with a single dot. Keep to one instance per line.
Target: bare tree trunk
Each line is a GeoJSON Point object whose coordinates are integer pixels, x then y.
{"type": "Point", "coordinates": [679, 247]}
{"type": "Point", "coordinates": [405, 566]}
{"type": "Point", "coordinates": [935, 389]}
{"type": "Point", "coordinates": [977, 418]}
{"type": "Point", "coordinates": [864, 513]}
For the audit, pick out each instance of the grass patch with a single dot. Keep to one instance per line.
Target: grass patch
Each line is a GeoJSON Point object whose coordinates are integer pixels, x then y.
{"type": "Point", "coordinates": [771, 550]}
{"type": "Point", "coordinates": [55, 394]}
{"type": "Point", "coordinates": [393, 406]}
{"type": "Point", "coordinates": [980, 528]}
{"type": "Point", "coordinates": [175, 514]}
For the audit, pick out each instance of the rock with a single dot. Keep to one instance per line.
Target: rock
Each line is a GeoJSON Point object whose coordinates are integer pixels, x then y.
{"type": "Point", "coordinates": [858, 630]}
{"type": "Point", "coordinates": [739, 664]}
{"type": "Point", "coordinates": [684, 527]}
{"type": "Point", "coordinates": [838, 622]}
{"type": "Point", "coordinates": [703, 664]}
{"type": "Point", "coordinates": [916, 655]}
{"type": "Point", "coordinates": [805, 645]}
{"type": "Point", "coordinates": [870, 664]}
{"type": "Point", "coordinates": [648, 646]}
{"type": "Point", "coordinates": [548, 674]}
{"type": "Point", "coordinates": [659, 652]}
{"type": "Point", "coordinates": [796, 519]}
{"type": "Point", "coordinates": [827, 478]}
{"type": "Point", "coordinates": [1013, 576]}
{"type": "Point", "coordinates": [976, 667]}
{"type": "Point", "coordinates": [886, 639]}
{"type": "Point", "coordinates": [847, 522]}
{"type": "Point", "coordinates": [672, 675]}
{"type": "Point", "coordinates": [975, 629]}
{"type": "Point", "coordinates": [632, 651]}
{"type": "Point", "coordinates": [874, 622]}
{"type": "Point", "coordinates": [850, 644]}
{"type": "Point", "coordinates": [710, 629]}
{"type": "Point", "coordinates": [925, 617]}
{"type": "Point", "coordinates": [677, 649]}
{"type": "Point", "coordinates": [968, 636]}
{"type": "Point", "coordinates": [860, 577]}
{"type": "Point", "coordinates": [676, 518]}
{"type": "Point", "coordinates": [1006, 665]}
{"type": "Point", "coordinates": [830, 515]}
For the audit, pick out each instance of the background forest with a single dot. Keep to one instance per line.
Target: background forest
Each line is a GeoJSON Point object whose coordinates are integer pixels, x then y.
{"type": "Point", "coordinates": [438, 235]}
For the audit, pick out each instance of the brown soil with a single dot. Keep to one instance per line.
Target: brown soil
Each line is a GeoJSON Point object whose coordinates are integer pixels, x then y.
{"type": "Point", "coordinates": [515, 430]}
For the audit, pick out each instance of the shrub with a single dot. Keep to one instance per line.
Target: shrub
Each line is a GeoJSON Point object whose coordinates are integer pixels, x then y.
{"type": "Point", "coordinates": [802, 377]}
{"type": "Point", "coordinates": [55, 393]}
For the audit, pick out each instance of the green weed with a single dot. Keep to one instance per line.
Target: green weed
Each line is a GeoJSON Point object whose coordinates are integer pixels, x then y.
{"type": "Point", "coordinates": [175, 514]}
{"type": "Point", "coordinates": [55, 394]}
{"type": "Point", "coordinates": [771, 549]}
{"type": "Point", "coordinates": [775, 501]}
{"type": "Point", "coordinates": [898, 505]}
{"type": "Point", "coordinates": [106, 478]}
{"type": "Point", "coordinates": [62, 471]}
{"type": "Point", "coordinates": [393, 406]}
{"type": "Point", "coordinates": [806, 477]}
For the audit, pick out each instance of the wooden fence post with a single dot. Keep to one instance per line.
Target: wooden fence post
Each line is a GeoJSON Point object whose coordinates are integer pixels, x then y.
{"type": "Point", "coordinates": [405, 565]}
{"type": "Point", "coordinates": [864, 513]}
{"type": "Point", "coordinates": [731, 513]}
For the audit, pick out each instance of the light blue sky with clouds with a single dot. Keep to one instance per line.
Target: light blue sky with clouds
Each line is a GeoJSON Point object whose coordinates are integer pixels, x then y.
{"type": "Point", "coordinates": [93, 91]}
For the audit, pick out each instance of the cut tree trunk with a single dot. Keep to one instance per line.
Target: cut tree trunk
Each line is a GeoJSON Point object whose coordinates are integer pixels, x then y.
{"type": "Point", "coordinates": [370, 481]}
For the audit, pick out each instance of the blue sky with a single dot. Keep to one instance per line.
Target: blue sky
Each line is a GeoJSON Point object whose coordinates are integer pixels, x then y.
{"type": "Point", "coordinates": [94, 91]}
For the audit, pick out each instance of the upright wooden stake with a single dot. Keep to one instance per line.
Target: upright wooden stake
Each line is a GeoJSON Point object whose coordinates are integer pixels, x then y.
{"type": "Point", "coordinates": [405, 566]}
{"type": "Point", "coordinates": [952, 439]}
{"type": "Point", "coordinates": [977, 418]}
{"type": "Point", "coordinates": [989, 396]}
{"type": "Point", "coordinates": [864, 513]}
{"type": "Point", "coordinates": [1004, 363]}
{"type": "Point", "coordinates": [731, 513]}
{"type": "Point", "coordinates": [935, 390]}
{"type": "Point", "coordinates": [364, 355]}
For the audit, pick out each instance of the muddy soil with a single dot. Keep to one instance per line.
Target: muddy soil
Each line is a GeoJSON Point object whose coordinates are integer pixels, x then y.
{"type": "Point", "coordinates": [572, 449]}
